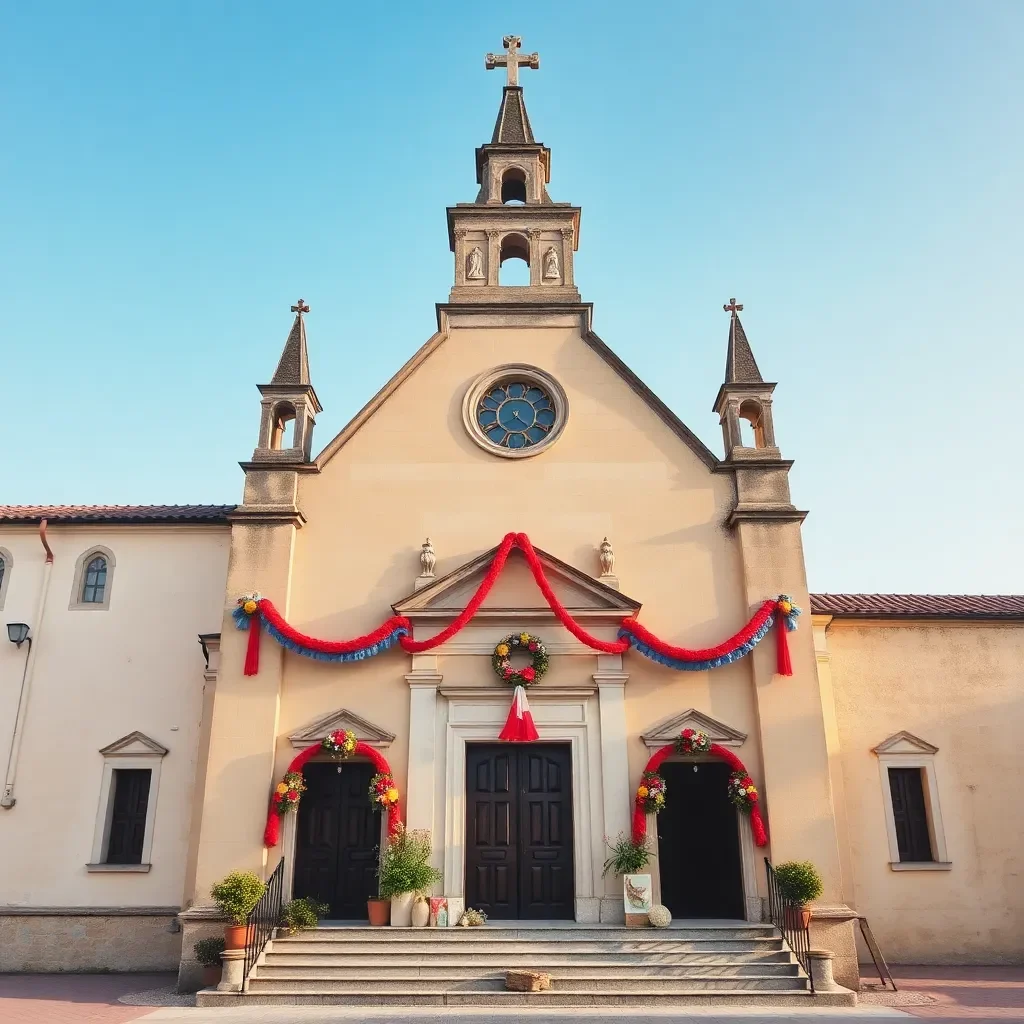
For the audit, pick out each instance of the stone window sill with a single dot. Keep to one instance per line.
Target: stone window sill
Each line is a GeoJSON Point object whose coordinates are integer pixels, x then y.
{"type": "Point", "coordinates": [921, 865]}
{"type": "Point", "coordinates": [130, 868]}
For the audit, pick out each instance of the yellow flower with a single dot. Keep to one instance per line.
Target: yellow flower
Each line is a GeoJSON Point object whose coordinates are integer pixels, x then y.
{"type": "Point", "coordinates": [392, 795]}
{"type": "Point", "coordinates": [658, 798]}
{"type": "Point", "coordinates": [524, 638]}
{"type": "Point", "coordinates": [282, 788]}
{"type": "Point", "coordinates": [642, 792]}
{"type": "Point", "coordinates": [501, 650]}
{"type": "Point", "coordinates": [785, 607]}
{"type": "Point", "coordinates": [249, 607]}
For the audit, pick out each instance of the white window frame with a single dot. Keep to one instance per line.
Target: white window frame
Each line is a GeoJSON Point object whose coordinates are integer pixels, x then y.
{"type": "Point", "coordinates": [8, 559]}
{"type": "Point", "coordinates": [904, 750]}
{"type": "Point", "coordinates": [77, 604]}
{"type": "Point", "coordinates": [135, 750]}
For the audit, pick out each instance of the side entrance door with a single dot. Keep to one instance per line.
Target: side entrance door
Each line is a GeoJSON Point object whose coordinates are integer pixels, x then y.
{"type": "Point", "coordinates": [337, 838]}
{"type": "Point", "coordinates": [699, 842]}
{"type": "Point", "coordinates": [519, 837]}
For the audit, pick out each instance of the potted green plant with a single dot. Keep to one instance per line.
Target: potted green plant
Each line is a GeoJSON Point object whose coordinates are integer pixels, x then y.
{"type": "Point", "coordinates": [303, 912]}
{"type": "Point", "coordinates": [798, 884]}
{"type": "Point", "coordinates": [628, 858]}
{"type": "Point", "coordinates": [207, 952]}
{"type": "Point", "coordinates": [237, 895]}
{"type": "Point", "coordinates": [405, 870]}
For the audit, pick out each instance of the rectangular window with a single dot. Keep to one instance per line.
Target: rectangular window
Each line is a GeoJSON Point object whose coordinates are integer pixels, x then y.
{"type": "Point", "coordinates": [910, 813]}
{"type": "Point", "coordinates": [128, 817]}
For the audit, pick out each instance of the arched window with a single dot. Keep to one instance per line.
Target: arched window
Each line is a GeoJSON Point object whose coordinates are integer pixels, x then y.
{"type": "Point", "coordinates": [94, 583]}
{"type": "Point", "coordinates": [513, 186]}
{"type": "Point", "coordinates": [282, 433]}
{"type": "Point", "coordinates": [751, 425]}
{"type": "Point", "coordinates": [516, 249]}
{"type": "Point", "coordinates": [94, 573]}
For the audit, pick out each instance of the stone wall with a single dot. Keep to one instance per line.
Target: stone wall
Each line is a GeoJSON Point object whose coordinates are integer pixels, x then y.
{"type": "Point", "coordinates": [78, 939]}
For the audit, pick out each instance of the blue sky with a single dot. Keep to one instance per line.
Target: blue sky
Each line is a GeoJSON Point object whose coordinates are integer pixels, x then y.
{"type": "Point", "coordinates": [174, 175]}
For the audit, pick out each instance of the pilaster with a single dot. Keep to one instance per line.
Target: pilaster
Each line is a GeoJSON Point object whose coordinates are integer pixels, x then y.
{"type": "Point", "coordinates": [611, 696]}
{"type": "Point", "coordinates": [423, 680]}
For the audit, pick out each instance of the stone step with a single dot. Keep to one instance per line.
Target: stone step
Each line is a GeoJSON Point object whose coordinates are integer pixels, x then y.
{"type": "Point", "coordinates": [516, 947]}
{"type": "Point", "coordinates": [571, 959]}
{"type": "Point", "coordinates": [543, 933]}
{"type": "Point", "coordinates": [636, 1001]}
{"type": "Point", "coordinates": [398, 972]}
{"type": "Point", "coordinates": [572, 983]}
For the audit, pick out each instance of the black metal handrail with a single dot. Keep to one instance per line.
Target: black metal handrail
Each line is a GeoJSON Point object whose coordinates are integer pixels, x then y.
{"type": "Point", "coordinates": [786, 916]}
{"type": "Point", "coordinates": [262, 920]}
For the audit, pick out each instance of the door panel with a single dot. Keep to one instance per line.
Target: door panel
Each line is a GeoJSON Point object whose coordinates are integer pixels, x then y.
{"type": "Point", "coordinates": [338, 834]}
{"type": "Point", "coordinates": [519, 856]}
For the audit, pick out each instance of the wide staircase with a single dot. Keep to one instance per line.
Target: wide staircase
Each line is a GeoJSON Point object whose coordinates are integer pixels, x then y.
{"type": "Point", "coordinates": [707, 963]}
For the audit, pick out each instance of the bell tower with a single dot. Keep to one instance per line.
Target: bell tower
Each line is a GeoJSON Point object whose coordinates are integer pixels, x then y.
{"type": "Point", "coordinates": [513, 217]}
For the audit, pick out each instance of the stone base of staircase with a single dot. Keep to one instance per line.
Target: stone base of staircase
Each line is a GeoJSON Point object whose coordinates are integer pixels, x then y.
{"type": "Point", "coordinates": [692, 963]}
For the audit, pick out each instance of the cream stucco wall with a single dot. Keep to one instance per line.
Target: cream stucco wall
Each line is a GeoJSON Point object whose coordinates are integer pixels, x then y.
{"type": "Point", "coordinates": [99, 675]}
{"type": "Point", "coordinates": [960, 687]}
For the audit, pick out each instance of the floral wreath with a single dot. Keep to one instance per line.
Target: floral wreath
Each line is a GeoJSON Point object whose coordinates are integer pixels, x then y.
{"type": "Point", "coordinates": [742, 791]}
{"type": "Point", "coordinates": [288, 792]}
{"type": "Point", "coordinates": [383, 791]}
{"type": "Point", "coordinates": [650, 794]}
{"type": "Point", "coordinates": [340, 745]}
{"type": "Point", "coordinates": [692, 741]}
{"type": "Point", "coordinates": [520, 642]}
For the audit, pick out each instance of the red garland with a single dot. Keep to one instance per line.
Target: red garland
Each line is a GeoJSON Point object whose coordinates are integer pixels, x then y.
{"type": "Point", "coordinates": [272, 832]}
{"type": "Point", "coordinates": [658, 759]}
{"type": "Point", "coordinates": [521, 541]}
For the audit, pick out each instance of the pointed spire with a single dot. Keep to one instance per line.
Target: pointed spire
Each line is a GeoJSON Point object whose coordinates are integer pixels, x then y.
{"type": "Point", "coordinates": [740, 365]}
{"type": "Point", "coordinates": [513, 123]}
{"type": "Point", "coordinates": [293, 369]}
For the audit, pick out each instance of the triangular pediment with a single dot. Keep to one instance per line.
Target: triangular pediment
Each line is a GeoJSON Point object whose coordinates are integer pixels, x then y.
{"type": "Point", "coordinates": [669, 728]}
{"type": "Point", "coordinates": [905, 743]}
{"type": "Point", "coordinates": [344, 720]}
{"type": "Point", "coordinates": [135, 744]}
{"type": "Point", "coordinates": [515, 590]}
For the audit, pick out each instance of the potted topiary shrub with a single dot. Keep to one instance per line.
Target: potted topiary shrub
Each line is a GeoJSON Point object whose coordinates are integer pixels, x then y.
{"type": "Point", "coordinates": [207, 952]}
{"type": "Point", "coordinates": [304, 912]}
{"type": "Point", "coordinates": [798, 883]}
{"type": "Point", "coordinates": [628, 858]}
{"type": "Point", "coordinates": [405, 870]}
{"type": "Point", "coordinates": [237, 895]}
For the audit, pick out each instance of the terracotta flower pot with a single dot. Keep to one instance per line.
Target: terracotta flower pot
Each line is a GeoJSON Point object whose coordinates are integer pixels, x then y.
{"type": "Point", "coordinates": [797, 917]}
{"type": "Point", "coordinates": [210, 977]}
{"type": "Point", "coordinates": [379, 912]}
{"type": "Point", "coordinates": [234, 936]}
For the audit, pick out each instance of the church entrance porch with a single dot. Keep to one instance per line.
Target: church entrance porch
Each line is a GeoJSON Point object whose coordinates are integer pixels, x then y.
{"type": "Point", "coordinates": [519, 834]}
{"type": "Point", "coordinates": [699, 843]}
{"type": "Point", "coordinates": [336, 840]}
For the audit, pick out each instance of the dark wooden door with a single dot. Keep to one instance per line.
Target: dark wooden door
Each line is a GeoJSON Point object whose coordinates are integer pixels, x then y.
{"type": "Point", "coordinates": [338, 836]}
{"type": "Point", "coordinates": [699, 843]}
{"type": "Point", "coordinates": [519, 853]}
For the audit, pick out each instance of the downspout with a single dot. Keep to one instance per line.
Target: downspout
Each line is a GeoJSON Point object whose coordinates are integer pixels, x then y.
{"type": "Point", "coordinates": [8, 799]}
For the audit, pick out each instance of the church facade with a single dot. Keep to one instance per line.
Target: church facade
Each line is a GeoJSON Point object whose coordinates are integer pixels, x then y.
{"type": "Point", "coordinates": [513, 438]}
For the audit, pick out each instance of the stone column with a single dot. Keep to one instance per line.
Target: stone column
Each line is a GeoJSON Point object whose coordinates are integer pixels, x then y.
{"type": "Point", "coordinates": [420, 782]}
{"type": "Point", "coordinates": [567, 255]}
{"type": "Point", "coordinates": [232, 965]}
{"type": "Point", "coordinates": [611, 694]}
{"type": "Point", "coordinates": [536, 258]}
{"type": "Point", "coordinates": [460, 257]}
{"type": "Point", "coordinates": [493, 255]}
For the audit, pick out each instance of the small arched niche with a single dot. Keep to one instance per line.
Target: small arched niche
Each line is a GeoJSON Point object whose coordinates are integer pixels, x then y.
{"type": "Point", "coordinates": [513, 186]}
{"type": "Point", "coordinates": [751, 424]}
{"type": "Point", "coordinates": [515, 251]}
{"type": "Point", "coordinates": [282, 430]}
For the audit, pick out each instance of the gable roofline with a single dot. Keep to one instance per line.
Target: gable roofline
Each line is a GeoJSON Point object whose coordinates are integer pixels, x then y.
{"type": "Point", "coordinates": [585, 311]}
{"type": "Point", "coordinates": [920, 606]}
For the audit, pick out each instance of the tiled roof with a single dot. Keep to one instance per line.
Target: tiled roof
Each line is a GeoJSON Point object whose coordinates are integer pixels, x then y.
{"type": "Point", "coordinates": [921, 606]}
{"type": "Point", "coordinates": [115, 513]}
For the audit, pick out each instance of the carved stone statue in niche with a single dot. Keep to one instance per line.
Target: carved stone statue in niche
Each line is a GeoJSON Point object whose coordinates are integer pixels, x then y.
{"type": "Point", "coordinates": [607, 558]}
{"type": "Point", "coordinates": [551, 272]}
{"type": "Point", "coordinates": [475, 264]}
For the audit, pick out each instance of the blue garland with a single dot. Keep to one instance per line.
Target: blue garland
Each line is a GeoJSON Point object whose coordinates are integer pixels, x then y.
{"type": "Point", "coordinates": [700, 666]}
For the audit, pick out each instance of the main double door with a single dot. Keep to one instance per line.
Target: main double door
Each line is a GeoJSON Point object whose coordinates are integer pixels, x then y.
{"type": "Point", "coordinates": [519, 835]}
{"type": "Point", "coordinates": [338, 837]}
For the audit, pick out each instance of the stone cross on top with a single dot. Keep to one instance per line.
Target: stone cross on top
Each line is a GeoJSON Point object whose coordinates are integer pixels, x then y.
{"type": "Point", "coordinates": [512, 60]}
{"type": "Point", "coordinates": [733, 307]}
{"type": "Point", "coordinates": [300, 307]}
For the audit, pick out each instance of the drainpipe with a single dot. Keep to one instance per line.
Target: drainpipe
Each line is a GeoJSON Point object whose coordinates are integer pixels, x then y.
{"type": "Point", "coordinates": [8, 800]}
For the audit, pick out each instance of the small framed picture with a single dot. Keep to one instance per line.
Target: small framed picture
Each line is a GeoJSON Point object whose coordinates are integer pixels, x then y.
{"type": "Point", "coordinates": [438, 911]}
